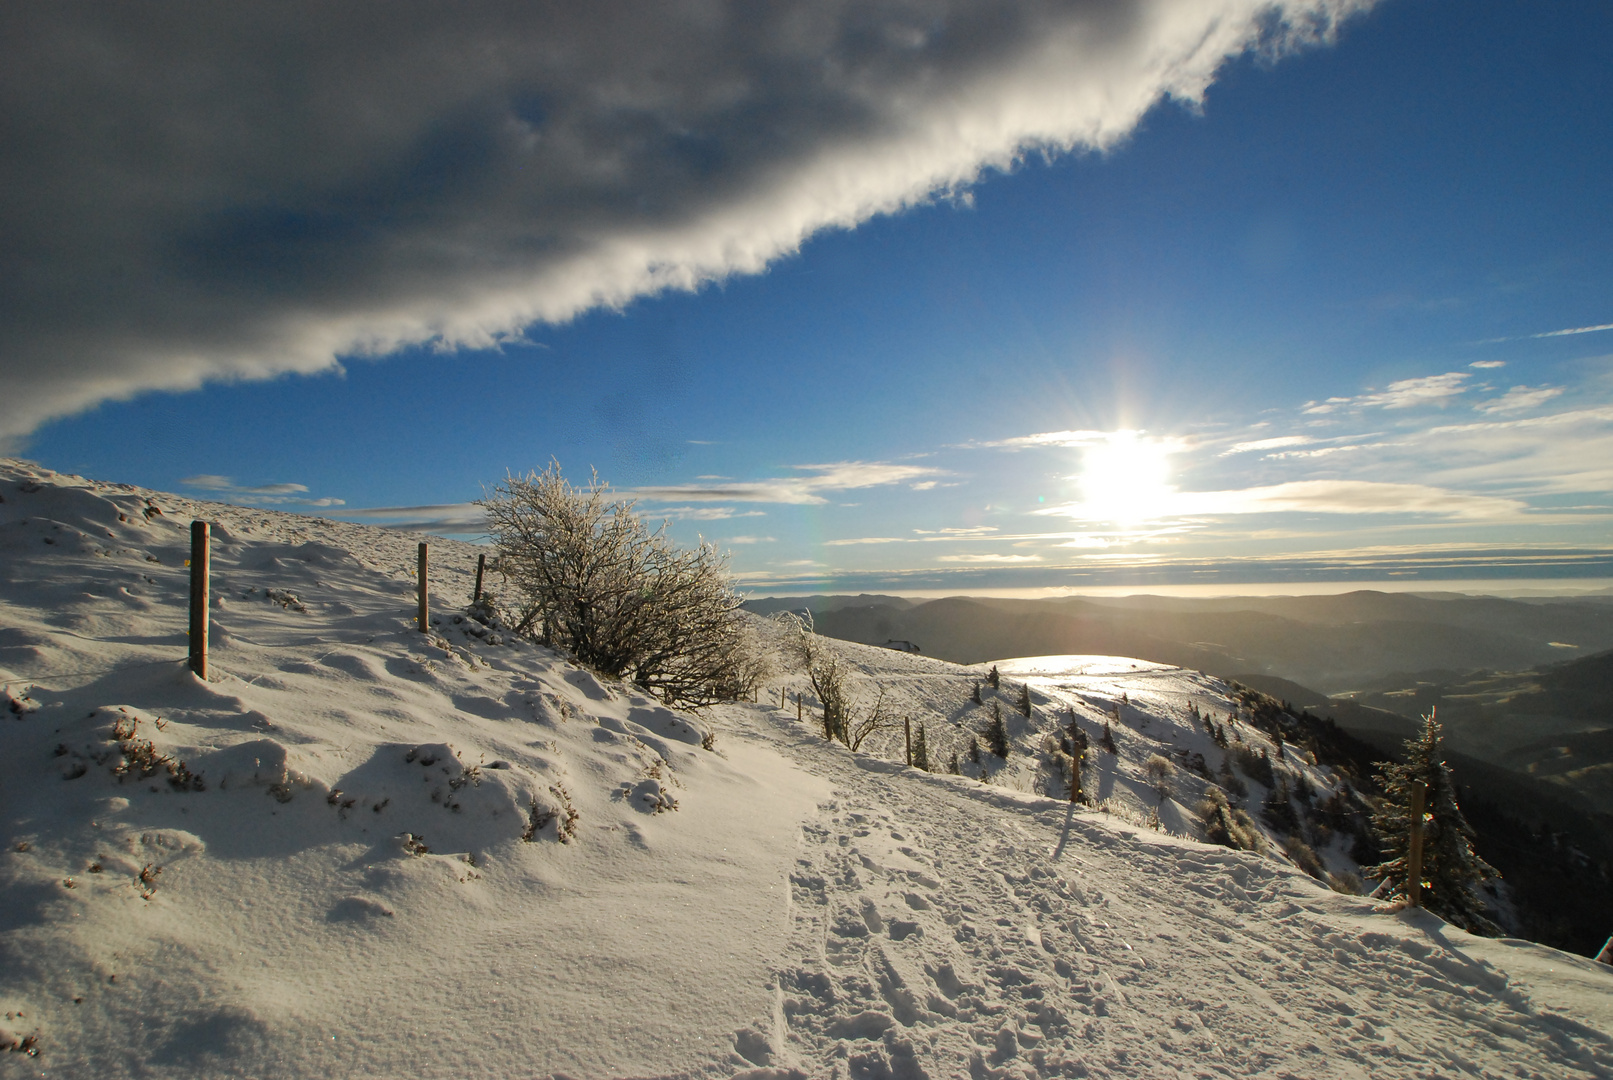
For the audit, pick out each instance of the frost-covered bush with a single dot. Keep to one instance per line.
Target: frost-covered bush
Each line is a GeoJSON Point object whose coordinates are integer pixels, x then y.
{"type": "Point", "coordinates": [586, 575]}
{"type": "Point", "coordinates": [1225, 826]}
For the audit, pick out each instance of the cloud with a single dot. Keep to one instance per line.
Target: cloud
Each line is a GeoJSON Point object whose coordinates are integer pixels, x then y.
{"type": "Point", "coordinates": [435, 518]}
{"type": "Point", "coordinates": [800, 490]}
{"type": "Point", "coordinates": [1487, 365]}
{"type": "Point", "coordinates": [262, 494]}
{"type": "Point", "coordinates": [1403, 394]}
{"type": "Point", "coordinates": [1268, 444]}
{"type": "Point", "coordinates": [751, 540]}
{"type": "Point", "coordinates": [231, 191]}
{"type": "Point", "coordinates": [1045, 438]}
{"type": "Point", "coordinates": [1321, 451]}
{"type": "Point", "coordinates": [990, 559]}
{"type": "Point", "coordinates": [703, 513]}
{"type": "Point", "coordinates": [1574, 330]}
{"type": "Point", "coordinates": [1519, 398]}
{"type": "Point", "coordinates": [1323, 497]}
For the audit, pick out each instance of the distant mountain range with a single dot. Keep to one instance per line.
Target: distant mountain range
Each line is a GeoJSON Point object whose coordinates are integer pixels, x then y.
{"type": "Point", "coordinates": [1352, 642]}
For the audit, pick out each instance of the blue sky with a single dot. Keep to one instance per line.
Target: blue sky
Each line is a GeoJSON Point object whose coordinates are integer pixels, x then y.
{"type": "Point", "coordinates": [1309, 326]}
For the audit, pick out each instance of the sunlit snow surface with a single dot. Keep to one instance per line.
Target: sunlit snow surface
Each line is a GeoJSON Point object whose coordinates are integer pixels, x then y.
{"type": "Point", "coordinates": [349, 893]}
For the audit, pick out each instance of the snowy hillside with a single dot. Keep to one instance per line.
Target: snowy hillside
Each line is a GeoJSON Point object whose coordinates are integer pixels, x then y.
{"type": "Point", "coordinates": [357, 850]}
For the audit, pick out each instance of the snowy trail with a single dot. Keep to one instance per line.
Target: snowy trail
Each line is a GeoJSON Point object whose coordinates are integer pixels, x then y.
{"type": "Point", "coordinates": [944, 928]}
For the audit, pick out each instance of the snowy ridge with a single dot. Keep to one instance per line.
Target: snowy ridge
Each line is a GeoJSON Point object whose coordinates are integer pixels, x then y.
{"type": "Point", "coordinates": [358, 850]}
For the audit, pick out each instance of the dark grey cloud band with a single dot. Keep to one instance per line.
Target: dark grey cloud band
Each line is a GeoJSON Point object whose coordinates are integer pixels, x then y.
{"type": "Point", "coordinates": [200, 191]}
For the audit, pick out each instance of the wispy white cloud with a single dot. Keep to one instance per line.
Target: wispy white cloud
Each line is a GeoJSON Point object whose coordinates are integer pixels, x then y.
{"type": "Point", "coordinates": [1322, 497]}
{"type": "Point", "coordinates": [852, 541]}
{"type": "Point", "coordinates": [751, 540]}
{"type": "Point", "coordinates": [805, 490]}
{"type": "Point", "coordinates": [259, 494]}
{"type": "Point", "coordinates": [1268, 444]}
{"type": "Point", "coordinates": [1574, 330]}
{"type": "Point", "coordinates": [1520, 398]}
{"type": "Point", "coordinates": [984, 559]}
{"type": "Point", "coordinates": [1488, 365]}
{"type": "Point", "coordinates": [1044, 438]}
{"type": "Point", "coordinates": [703, 513]}
{"type": "Point", "coordinates": [434, 518]}
{"type": "Point", "coordinates": [1401, 394]}
{"type": "Point", "coordinates": [1318, 452]}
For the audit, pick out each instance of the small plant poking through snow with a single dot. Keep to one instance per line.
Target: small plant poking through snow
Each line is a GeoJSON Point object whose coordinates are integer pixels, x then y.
{"type": "Point", "coordinates": [563, 814]}
{"type": "Point", "coordinates": [138, 758]}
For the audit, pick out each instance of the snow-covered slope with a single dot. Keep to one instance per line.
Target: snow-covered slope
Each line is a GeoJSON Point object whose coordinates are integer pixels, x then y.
{"type": "Point", "coordinates": [358, 850]}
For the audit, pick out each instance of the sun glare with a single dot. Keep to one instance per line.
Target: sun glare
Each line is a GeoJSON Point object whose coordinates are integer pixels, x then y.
{"type": "Point", "coordinates": [1126, 479]}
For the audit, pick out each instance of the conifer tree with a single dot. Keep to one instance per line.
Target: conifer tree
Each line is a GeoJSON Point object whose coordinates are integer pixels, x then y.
{"type": "Point", "coordinates": [976, 697]}
{"type": "Point", "coordinates": [1451, 868]}
{"type": "Point", "coordinates": [974, 750]}
{"type": "Point", "coordinates": [994, 678]}
{"type": "Point", "coordinates": [1108, 739]}
{"type": "Point", "coordinates": [1025, 698]}
{"type": "Point", "coordinates": [952, 765]}
{"type": "Point", "coordinates": [996, 733]}
{"type": "Point", "coordinates": [921, 750]}
{"type": "Point", "coordinates": [1078, 760]}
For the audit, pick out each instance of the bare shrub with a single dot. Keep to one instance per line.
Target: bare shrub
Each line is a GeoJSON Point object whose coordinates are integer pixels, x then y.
{"type": "Point", "coordinates": [844, 719]}
{"type": "Point", "coordinates": [1159, 770]}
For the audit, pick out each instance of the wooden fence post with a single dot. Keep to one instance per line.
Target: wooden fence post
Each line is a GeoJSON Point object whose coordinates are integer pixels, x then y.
{"type": "Point", "coordinates": [199, 586]}
{"type": "Point", "coordinates": [797, 708]}
{"type": "Point", "coordinates": [1414, 846]}
{"type": "Point", "coordinates": [425, 603]}
{"type": "Point", "coordinates": [907, 729]}
{"type": "Point", "coordinates": [481, 565]}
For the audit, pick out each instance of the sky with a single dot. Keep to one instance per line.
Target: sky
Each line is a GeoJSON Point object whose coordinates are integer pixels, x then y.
{"type": "Point", "coordinates": [913, 296]}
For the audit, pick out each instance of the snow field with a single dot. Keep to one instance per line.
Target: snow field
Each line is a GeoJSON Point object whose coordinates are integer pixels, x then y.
{"type": "Point", "coordinates": [352, 852]}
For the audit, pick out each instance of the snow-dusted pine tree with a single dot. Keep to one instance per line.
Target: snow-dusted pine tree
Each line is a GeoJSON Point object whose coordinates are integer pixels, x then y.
{"type": "Point", "coordinates": [921, 750]}
{"type": "Point", "coordinates": [1107, 739]}
{"type": "Point", "coordinates": [1451, 868]}
{"type": "Point", "coordinates": [996, 733]}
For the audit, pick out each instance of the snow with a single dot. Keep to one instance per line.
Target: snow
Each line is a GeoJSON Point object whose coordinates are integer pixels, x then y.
{"type": "Point", "coordinates": [346, 891]}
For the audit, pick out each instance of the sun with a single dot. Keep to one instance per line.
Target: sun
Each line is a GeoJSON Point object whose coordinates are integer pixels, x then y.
{"type": "Point", "coordinates": [1126, 479]}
